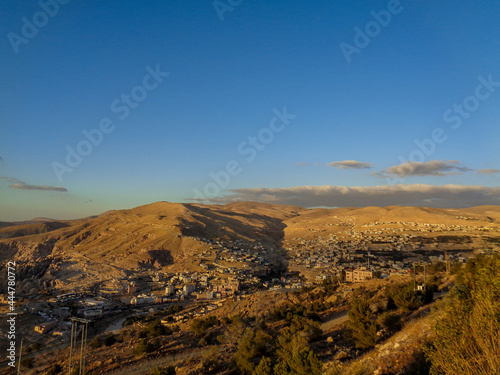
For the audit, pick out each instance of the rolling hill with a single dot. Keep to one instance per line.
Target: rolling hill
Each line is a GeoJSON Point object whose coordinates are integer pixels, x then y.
{"type": "Point", "coordinates": [168, 236]}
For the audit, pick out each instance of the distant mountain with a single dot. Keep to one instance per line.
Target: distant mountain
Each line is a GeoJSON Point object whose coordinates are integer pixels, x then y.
{"type": "Point", "coordinates": [168, 236]}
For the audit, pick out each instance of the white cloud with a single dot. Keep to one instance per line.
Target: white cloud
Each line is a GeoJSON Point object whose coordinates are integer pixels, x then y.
{"type": "Point", "coordinates": [428, 168]}
{"type": "Point", "coordinates": [18, 184]}
{"type": "Point", "coordinates": [451, 196]}
{"type": "Point", "coordinates": [23, 186]}
{"type": "Point", "coordinates": [350, 164]}
{"type": "Point", "coordinates": [488, 171]}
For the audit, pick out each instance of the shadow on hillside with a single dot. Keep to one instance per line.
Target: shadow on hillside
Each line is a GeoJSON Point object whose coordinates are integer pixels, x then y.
{"type": "Point", "coordinates": [215, 223]}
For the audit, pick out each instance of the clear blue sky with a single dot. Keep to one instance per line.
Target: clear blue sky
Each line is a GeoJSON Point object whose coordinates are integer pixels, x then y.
{"type": "Point", "coordinates": [226, 76]}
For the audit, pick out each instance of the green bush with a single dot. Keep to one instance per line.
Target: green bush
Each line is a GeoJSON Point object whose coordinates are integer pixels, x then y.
{"type": "Point", "coordinates": [170, 370]}
{"type": "Point", "coordinates": [361, 328]}
{"type": "Point", "coordinates": [142, 334]}
{"type": "Point", "coordinates": [468, 329]}
{"type": "Point", "coordinates": [156, 328]}
{"type": "Point", "coordinates": [406, 298]}
{"type": "Point", "coordinates": [265, 367]}
{"type": "Point", "coordinates": [390, 321]}
{"type": "Point", "coordinates": [145, 346]}
{"type": "Point", "coordinates": [294, 356]}
{"type": "Point", "coordinates": [252, 344]}
{"type": "Point", "coordinates": [200, 325]}
{"type": "Point", "coordinates": [54, 370]}
{"type": "Point", "coordinates": [95, 343]}
{"type": "Point", "coordinates": [109, 340]}
{"type": "Point", "coordinates": [27, 362]}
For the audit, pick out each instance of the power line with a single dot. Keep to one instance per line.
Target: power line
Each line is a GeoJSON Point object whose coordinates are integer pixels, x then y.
{"type": "Point", "coordinates": [83, 323]}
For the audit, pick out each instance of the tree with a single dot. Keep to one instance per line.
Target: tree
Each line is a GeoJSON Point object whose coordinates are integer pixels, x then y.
{"type": "Point", "coordinates": [406, 298]}
{"type": "Point", "coordinates": [210, 363]}
{"type": "Point", "coordinates": [265, 367]}
{"type": "Point", "coordinates": [233, 332]}
{"type": "Point", "coordinates": [468, 329]}
{"type": "Point", "coordinates": [144, 346]}
{"type": "Point", "coordinates": [200, 325]}
{"type": "Point", "coordinates": [390, 321]}
{"type": "Point", "coordinates": [252, 345]}
{"type": "Point", "coordinates": [361, 329]}
{"type": "Point", "coordinates": [295, 357]}
{"type": "Point", "coordinates": [156, 328]}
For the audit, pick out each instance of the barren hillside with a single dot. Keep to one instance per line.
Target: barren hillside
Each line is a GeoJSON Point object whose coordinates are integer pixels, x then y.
{"type": "Point", "coordinates": [168, 236]}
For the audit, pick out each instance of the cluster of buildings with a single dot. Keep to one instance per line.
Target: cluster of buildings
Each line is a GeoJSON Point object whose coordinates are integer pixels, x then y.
{"type": "Point", "coordinates": [239, 258]}
{"type": "Point", "coordinates": [233, 269]}
{"type": "Point", "coordinates": [359, 259]}
{"type": "Point", "coordinates": [162, 288]}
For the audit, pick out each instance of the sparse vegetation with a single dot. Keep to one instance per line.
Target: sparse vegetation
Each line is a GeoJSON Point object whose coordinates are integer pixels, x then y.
{"type": "Point", "coordinates": [361, 327]}
{"type": "Point", "coordinates": [145, 346]}
{"type": "Point", "coordinates": [109, 340]}
{"type": "Point", "coordinates": [27, 362]}
{"type": "Point", "coordinates": [252, 345]}
{"type": "Point", "coordinates": [170, 370]}
{"type": "Point", "coordinates": [294, 355]}
{"type": "Point", "coordinates": [468, 328]}
{"type": "Point", "coordinates": [274, 323]}
{"type": "Point", "coordinates": [405, 297]}
{"type": "Point", "coordinates": [265, 367]}
{"type": "Point", "coordinates": [200, 325]}
{"type": "Point", "coordinates": [54, 370]}
{"type": "Point", "coordinates": [390, 321]}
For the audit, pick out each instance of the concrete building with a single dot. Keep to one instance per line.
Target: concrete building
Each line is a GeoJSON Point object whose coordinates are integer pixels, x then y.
{"type": "Point", "coordinates": [92, 314]}
{"type": "Point", "coordinates": [357, 275]}
{"type": "Point", "coordinates": [132, 288]}
{"type": "Point", "coordinates": [188, 289]}
{"type": "Point", "coordinates": [45, 327]}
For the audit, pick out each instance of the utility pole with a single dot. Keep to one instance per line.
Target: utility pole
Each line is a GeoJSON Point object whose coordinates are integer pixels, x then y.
{"type": "Point", "coordinates": [414, 277]}
{"type": "Point", "coordinates": [74, 336]}
{"type": "Point", "coordinates": [71, 346]}
{"type": "Point", "coordinates": [82, 350]}
{"type": "Point", "coordinates": [425, 278]}
{"type": "Point", "coordinates": [415, 288]}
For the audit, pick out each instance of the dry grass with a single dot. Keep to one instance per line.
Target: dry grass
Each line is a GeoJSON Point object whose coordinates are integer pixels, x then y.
{"type": "Point", "coordinates": [400, 352]}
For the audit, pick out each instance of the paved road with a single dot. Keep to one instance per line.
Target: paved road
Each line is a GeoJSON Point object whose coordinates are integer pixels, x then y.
{"type": "Point", "coordinates": [338, 319]}
{"type": "Point", "coordinates": [334, 320]}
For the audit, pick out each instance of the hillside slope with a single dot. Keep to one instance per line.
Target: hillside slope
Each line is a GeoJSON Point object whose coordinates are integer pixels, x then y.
{"type": "Point", "coordinates": [168, 236]}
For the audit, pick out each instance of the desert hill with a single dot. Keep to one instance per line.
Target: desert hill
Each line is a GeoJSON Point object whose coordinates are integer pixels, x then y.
{"type": "Point", "coordinates": [169, 236]}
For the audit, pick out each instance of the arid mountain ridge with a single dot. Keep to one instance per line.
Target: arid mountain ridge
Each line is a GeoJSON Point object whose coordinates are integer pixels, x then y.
{"type": "Point", "coordinates": [168, 236]}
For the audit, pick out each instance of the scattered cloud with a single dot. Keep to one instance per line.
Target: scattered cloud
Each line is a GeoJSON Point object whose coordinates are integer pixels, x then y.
{"type": "Point", "coordinates": [428, 168]}
{"type": "Point", "coordinates": [445, 196]}
{"type": "Point", "coordinates": [301, 163]}
{"type": "Point", "coordinates": [350, 164]}
{"type": "Point", "coordinates": [24, 186]}
{"type": "Point", "coordinates": [12, 180]}
{"type": "Point", "coordinates": [488, 171]}
{"type": "Point", "coordinates": [18, 184]}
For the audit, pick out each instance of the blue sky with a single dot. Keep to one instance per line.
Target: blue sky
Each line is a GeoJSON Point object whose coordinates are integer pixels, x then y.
{"type": "Point", "coordinates": [231, 68]}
